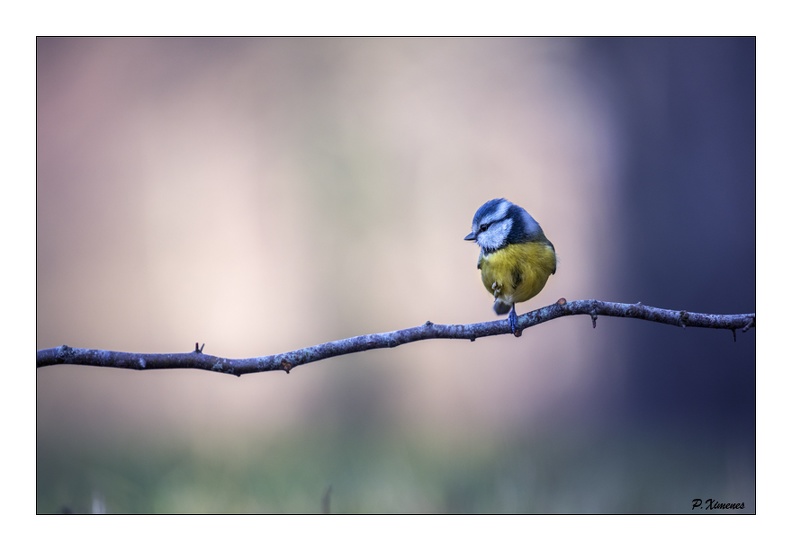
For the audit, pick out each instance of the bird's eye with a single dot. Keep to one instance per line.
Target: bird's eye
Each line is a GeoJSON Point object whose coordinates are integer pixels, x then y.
{"type": "Point", "coordinates": [483, 227]}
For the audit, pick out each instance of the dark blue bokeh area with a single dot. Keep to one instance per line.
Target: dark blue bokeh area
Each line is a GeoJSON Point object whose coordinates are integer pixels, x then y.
{"type": "Point", "coordinates": [686, 109]}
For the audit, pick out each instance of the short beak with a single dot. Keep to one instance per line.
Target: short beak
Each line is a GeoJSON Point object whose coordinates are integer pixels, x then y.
{"type": "Point", "coordinates": [471, 236]}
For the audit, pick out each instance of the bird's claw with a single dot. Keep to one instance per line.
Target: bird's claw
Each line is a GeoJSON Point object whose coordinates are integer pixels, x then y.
{"type": "Point", "coordinates": [513, 323]}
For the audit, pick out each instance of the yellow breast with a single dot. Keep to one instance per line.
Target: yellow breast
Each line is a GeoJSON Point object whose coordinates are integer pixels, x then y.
{"type": "Point", "coordinates": [517, 272]}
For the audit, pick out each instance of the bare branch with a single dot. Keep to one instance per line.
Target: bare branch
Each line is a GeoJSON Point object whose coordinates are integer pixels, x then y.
{"type": "Point", "coordinates": [288, 360]}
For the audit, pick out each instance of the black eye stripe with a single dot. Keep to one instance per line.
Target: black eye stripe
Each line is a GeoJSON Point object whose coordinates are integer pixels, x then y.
{"type": "Point", "coordinates": [487, 225]}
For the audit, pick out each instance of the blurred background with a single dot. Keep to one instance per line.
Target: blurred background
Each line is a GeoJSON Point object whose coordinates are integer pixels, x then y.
{"type": "Point", "coordinates": [262, 195]}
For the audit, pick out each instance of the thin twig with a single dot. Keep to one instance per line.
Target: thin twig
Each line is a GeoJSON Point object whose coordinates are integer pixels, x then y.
{"type": "Point", "coordinates": [289, 360]}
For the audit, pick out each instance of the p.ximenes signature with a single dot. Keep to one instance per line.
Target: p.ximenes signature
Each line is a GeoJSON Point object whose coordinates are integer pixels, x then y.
{"type": "Point", "coordinates": [711, 504]}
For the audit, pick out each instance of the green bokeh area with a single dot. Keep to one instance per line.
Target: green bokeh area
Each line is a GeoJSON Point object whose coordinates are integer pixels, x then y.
{"type": "Point", "coordinates": [394, 473]}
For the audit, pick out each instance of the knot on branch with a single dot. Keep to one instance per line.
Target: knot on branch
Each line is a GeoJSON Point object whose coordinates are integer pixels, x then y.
{"type": "Point", "coordinates": [65, 353]}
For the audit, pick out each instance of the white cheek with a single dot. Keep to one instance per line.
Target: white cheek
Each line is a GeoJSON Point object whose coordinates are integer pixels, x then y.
{"type": "Point", "coordinates": [495, 236]}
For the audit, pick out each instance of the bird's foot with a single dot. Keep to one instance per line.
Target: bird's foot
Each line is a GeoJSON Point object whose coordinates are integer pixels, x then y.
{"type": "Point", "coordinates": [513, 322]}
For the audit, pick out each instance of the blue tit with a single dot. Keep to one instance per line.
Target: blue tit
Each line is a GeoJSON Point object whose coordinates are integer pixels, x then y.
{"type": "Point", "coordinates": [516, 258]}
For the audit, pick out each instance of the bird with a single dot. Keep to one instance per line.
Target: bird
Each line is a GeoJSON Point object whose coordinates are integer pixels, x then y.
{"type": "Point", "coordinates": [516, 258]}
